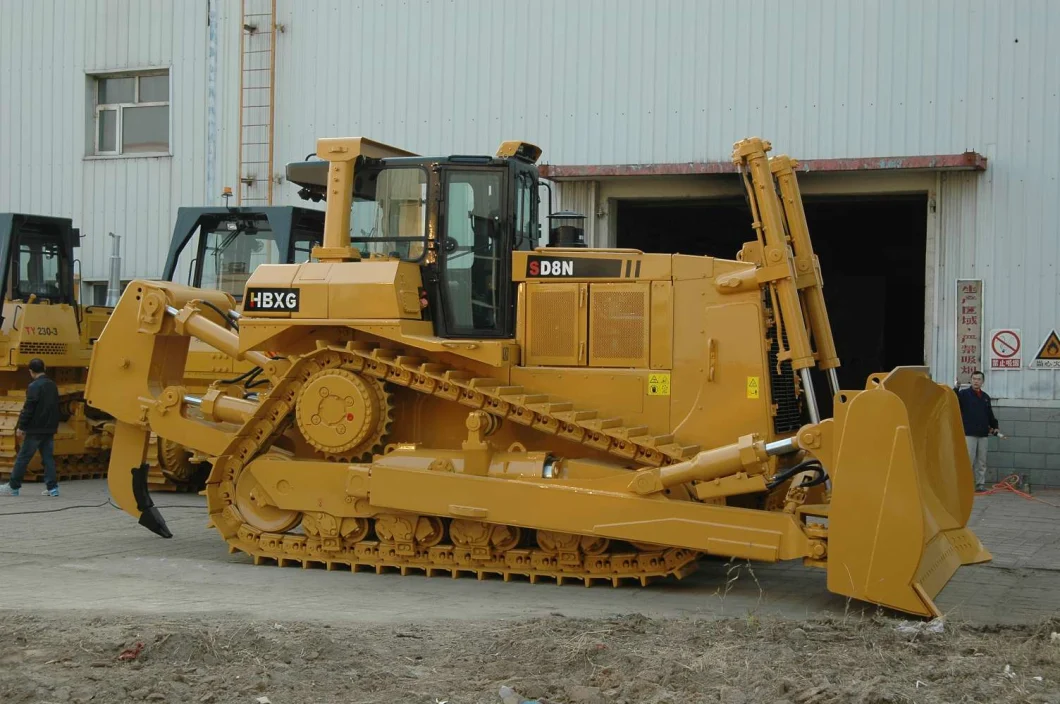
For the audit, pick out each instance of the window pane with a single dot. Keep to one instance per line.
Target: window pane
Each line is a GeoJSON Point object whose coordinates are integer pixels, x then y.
{"type": "Point", "coordinates": [108, 130]}
{"type": "Point", "coordinates": [117, 90]}
{"type": "Point", "coordinates": [472, 245]}
{"type": "Point", "coordinates": [185, 269]}
{"type": "Point", "coordinates": [231, 256]}
{"type": "Point", "coordinates": [389, 203]}
{"type": "Point", "coordinates": [303, 245]}
{"type": "Point", "coordinates": [524, 200]}
{"type": "Point", "coordinates": [154, 89]}
{"type": "Point", "coordinates": [145, 129]}
{"type": "Point", "coordinates": [38, 269]}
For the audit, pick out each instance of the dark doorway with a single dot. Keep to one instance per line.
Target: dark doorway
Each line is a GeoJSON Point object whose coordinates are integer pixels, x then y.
{"type": "Point", "coordinates": [872, 253]}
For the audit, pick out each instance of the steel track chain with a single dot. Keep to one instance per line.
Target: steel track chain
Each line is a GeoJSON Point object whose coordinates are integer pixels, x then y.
{"type": "Point", "coordinates": [88, 465]}
{"type": "Point", "coordinates": [539, 411]}
{"type": "Point", "coordinates": [328, 548]}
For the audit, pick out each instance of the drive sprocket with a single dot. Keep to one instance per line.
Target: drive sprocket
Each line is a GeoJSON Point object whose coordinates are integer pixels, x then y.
{"type": "Point", "coordinates": [176, 463]}
{"type": "Point", "coordinates": [342, 414]}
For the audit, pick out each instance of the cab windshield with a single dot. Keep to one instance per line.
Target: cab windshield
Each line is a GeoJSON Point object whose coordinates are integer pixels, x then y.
{"type": "Point", "coordinates": [38, 269]}
{"type": "Point", "coordinates": [389, 212]}
{"type": "Point", "coordinates": [230, 256]}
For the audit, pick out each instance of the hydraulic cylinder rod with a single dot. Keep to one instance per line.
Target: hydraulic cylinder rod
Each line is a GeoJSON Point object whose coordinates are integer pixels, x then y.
{"type": "Point", "coordinates": [191, 322]}
{"type": "Point", "coordinates": [806, 265]}
{"type": "Point", "coordinates": [811, 397]}
{"type": "Point", "coordinates": [747, 454]}
{"type": "Point", "coordinates": [777, 254]}
{"type": "Point", "coordinates": [221, 408]}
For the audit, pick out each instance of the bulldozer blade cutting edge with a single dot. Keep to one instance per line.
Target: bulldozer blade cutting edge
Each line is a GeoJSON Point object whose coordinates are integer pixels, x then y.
{"type": "Point", "coordinates": [902, 493]}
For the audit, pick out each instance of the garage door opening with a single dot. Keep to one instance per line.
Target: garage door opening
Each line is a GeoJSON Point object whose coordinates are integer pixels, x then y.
{"type": "Point", "coordinates": [872, 253]}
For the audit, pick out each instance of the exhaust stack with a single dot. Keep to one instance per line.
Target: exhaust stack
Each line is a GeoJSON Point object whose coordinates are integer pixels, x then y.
{"type": "Point", "coordinates": [114, 282]}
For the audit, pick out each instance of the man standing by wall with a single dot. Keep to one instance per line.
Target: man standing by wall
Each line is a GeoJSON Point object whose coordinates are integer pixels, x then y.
{"type": "Point", "coordinates": [36, 429]}
{"type": "Point", "coordinates": [979, 424]}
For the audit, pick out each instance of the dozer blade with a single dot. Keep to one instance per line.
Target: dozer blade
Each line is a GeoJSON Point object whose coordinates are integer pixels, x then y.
{"type": "Point", "coordinates": [902, 491]}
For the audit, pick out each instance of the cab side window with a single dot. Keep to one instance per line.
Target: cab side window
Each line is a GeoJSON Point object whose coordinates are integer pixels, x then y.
{"type": "Point", "coordinates": [525, 212]}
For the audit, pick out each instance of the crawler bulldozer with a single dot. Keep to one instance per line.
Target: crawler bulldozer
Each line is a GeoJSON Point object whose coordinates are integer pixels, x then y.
{"type": "Point", "coordinates": [215, 247]}
{"type": "Point", "coordinates": [42, 317]}
{"type": "Point", "coordinates": [447, 394]}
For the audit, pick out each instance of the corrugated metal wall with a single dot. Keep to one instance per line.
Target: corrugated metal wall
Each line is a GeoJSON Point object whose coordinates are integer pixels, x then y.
{"type": "Point", "coordinates": [46, 49]}
{"type": "Point", "coordinates": [628, 81]}
{"type": "Point", "coordinates": [592, 82]}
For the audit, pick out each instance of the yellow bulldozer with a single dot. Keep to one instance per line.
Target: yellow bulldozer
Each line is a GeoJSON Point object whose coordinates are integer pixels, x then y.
{"type": "Point", "coordinates": [446, 394]}
{"type": "Point", "coordinates": [217, 248]}
{"type": "Point", "coordinates": [214, 247]}
{"type": "Point", "coordinates": [42, 317]}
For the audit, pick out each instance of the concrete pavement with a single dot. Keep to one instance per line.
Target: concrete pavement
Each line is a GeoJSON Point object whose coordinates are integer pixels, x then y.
{"type": "Point", "coordinates": [99, 559]}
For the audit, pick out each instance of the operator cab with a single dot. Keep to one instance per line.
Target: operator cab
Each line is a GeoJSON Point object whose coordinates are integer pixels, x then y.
{"type": "Point", "coordinates": [38, 252]}
{"type": "Point", "coordinates": [459, 218]}
{"type": "Point", "coordinates": [219, 248]}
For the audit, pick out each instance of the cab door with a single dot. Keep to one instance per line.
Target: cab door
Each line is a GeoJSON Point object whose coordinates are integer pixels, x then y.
{"type": "Point", "coordinates": [475, 253]}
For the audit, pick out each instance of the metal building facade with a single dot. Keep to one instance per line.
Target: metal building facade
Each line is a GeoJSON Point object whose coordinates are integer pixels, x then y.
{"type": "Point", "coordinates": [629, 82]}
{"type": "Point", "coordinates": [49, 49]}
{"type": "Point", "coordinates": [674, 81]}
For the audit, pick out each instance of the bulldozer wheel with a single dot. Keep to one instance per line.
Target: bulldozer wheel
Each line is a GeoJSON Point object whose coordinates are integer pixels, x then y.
{"type": "Point", "coordinates": [353, 530]}
{"type": "Point", "coordinates": [424, 531]}
{"type": "Point", "coordinates": [250, 501]}
{"type": "Point", "coordinates": [553, 542]}
{"type": "Point", "coordinates": [594, 546]}
{"type": "Point", "coordinates": [175, 460]}
{"type": "Point", "coordinates": [343, 415]}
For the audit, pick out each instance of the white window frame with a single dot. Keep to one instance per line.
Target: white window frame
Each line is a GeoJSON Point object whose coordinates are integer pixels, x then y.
{"type": "Point", "coordinates": [119, 108]}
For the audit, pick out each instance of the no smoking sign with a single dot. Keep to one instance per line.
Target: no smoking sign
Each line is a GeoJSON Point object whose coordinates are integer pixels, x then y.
{"type": "Point", "coordinates": [1005, 346]}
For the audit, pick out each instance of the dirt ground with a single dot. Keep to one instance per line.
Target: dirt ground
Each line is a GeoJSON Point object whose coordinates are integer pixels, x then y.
{"type": "Point", "coordinates": [633, 659]}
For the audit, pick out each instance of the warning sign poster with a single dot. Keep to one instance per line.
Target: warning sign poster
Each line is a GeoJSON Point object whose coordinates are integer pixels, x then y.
{"type": "Point", "coordinates": [969, 328]}
{"type": "Point", "coordinates": [1048, 356]}
{"type": "Point", "coordinates": [1004, 349]}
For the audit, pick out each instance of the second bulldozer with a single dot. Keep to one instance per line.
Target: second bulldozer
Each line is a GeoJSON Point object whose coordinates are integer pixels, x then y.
{"type": "Point", "coordinates": [446, 394]}
{"type": "Point", "coordinates": [213, 247]}
{"type": "Point", "coordinates": [217, 248]}
{"type": "Point", "coordinates": [42, 317]}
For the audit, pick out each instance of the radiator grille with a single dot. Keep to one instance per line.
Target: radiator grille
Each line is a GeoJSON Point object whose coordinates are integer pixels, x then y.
{"type": "Point", "coordinates": [42, 348]}
{"type": "Point", "coordinates": [782, 388]}
{"type": "Point", "coordinates": [619, 326]}
{"type": "Point", "coordinates": [553, 324]}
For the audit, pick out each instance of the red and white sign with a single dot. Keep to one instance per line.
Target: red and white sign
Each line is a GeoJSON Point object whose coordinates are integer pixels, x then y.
{"type": "Point", "coordinates": [1005, 346]}
{"type": "Point", "coordinates": [969, 342]}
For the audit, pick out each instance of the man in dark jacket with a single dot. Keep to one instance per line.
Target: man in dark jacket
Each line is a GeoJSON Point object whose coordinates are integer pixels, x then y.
{"type": "Point", "coordinates": [36, 429]}
{"type": "Point", "coordinates": [979, 424]}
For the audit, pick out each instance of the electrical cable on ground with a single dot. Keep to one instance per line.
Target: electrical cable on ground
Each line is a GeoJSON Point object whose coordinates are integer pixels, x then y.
{"type": "Point", "coordinates": [99, 505]}
{"type": "Point", "coordinates": [1009, 483]}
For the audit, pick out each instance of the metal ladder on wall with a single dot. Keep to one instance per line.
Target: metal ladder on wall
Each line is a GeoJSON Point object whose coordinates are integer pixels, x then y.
{"type": "Point", "coordinates": [257, 75]}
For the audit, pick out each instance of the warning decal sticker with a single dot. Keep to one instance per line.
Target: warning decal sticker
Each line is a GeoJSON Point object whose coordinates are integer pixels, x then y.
{"type": "Point", "coordinates": [658, 384]}
{"type": "Point", "coordinates": [752, 387]}
{"type": "Point", "coordinates": [1005, 346]}
{"type": "Point", "coordinates": [1048, 356]}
